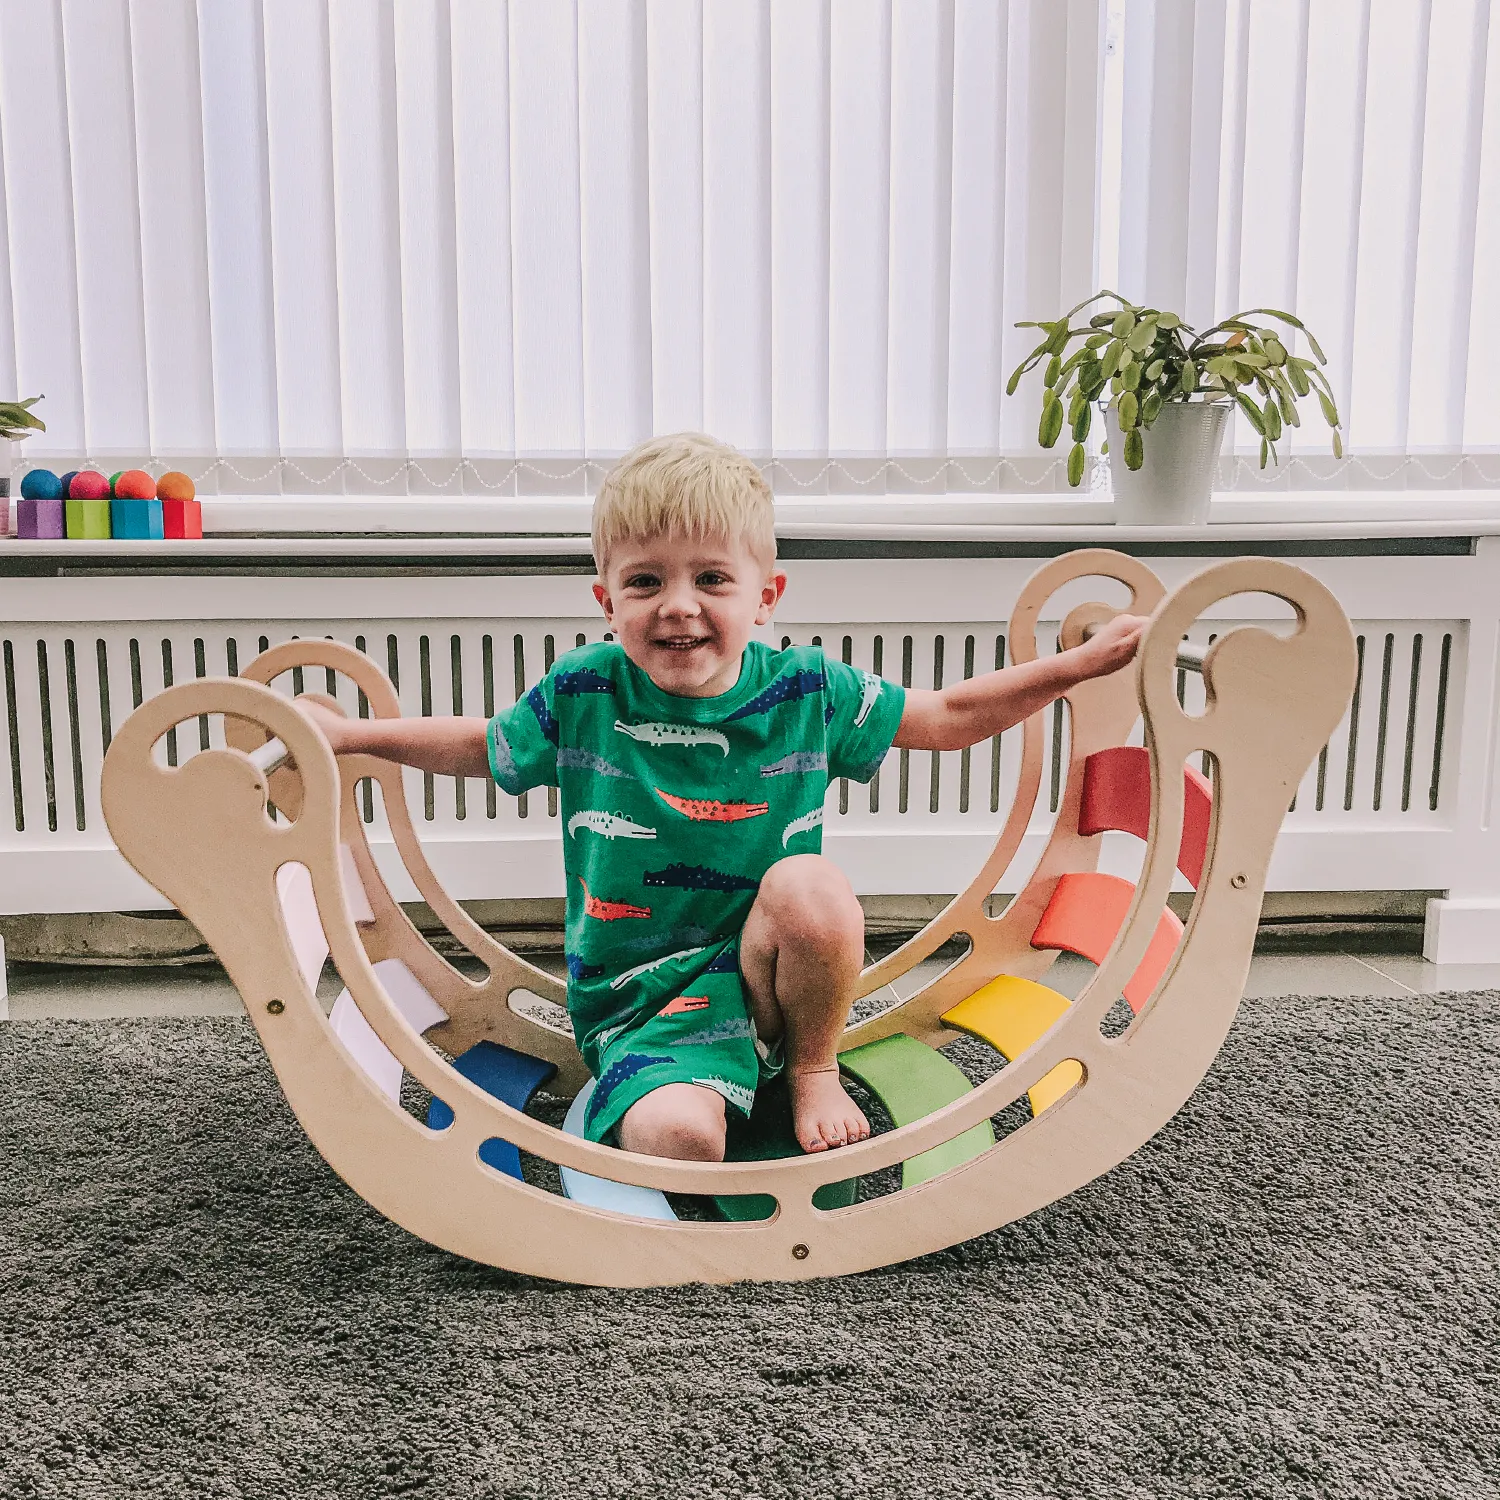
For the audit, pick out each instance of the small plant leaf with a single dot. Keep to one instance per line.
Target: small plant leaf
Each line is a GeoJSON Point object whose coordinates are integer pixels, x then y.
{"type": "Point", "coordinates": [1129, 410]}
{"type": "Point", "coordinates": [1076, 460]}
{"type": "Point", "coordinates": [1054, 370]}
{"type": "Point", "coordinates": [1142, 335]}
{"type": "Point", "coordinates": [1123, 324]}
{"type": "Point", "coordinates": [1188, 381]}
{"type": "Point", "coordinates": [1265, 449]}
{"type": "Point", "coordinates": [1130, 376]}
{"type": "Point", "coordinates": [1252, 412]}
{"type": "Point", "coordinates": [1330, 411]}
{"type": "Point", "coordinates": [1338, 444]}
{"type": "Point", "coordinates": [1298, 377]}
{"type": "Point", "coordinates": [1154, 369]}
{"type": "Point", "coordinates": [1111, 361]}
{"type": "Point", "coordinates": [1059, 339]}
{"type": "Point", "coordinates": [1082, 420]}
{"type": "Point", "coordinates": [1097, 340]}
{"type": "Point", "coordinates": [1150, 407]}
{"type": "Point", "coordinates": [1135, 449]}
{"type": "Point", "coordinates": [1168, 320]}
{"type": "Point", "coordinates": [1271, 416]}
{"type": "Point", "coordinates": [1050, 428]}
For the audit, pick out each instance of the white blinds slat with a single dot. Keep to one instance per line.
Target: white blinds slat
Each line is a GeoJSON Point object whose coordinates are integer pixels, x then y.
{"type": "Point", "coordinates": [424, 107]}
{"type": "Point", "coordinates": [921, 226]}
{"type": "Point", "coordinates": [615, 226]}
{"type": "Point", "coordinates": [174, 258]}
{"type": "Point", "coordinates": [1395, 106]}
{"type": "Point", "coordinates": [362, 95]}
{"type": "Point", "coordinates": [39, 216]}
{"type": "Point", "coordinates": [481, 189]}
{"type": "Point", "coordinates": [545, 250]}
{"type": "Point", "coordinates": [303, 255]}
{"type": "Point", "coordinates": [976, 378]}
{"type": "Point", "coordinates": [101, 149]}
{"type": "Point", "coordinates": [799, 228]}
{"type": "Point", "coordinates": [1481, 404]}
{"type": "Point", "coordinates": [1199, 293]}
{"type": "Point", "coordinates": [241, 316]}
{"type": "Point", "coordinates": [737, 223]}
{"type": "Point", "coordinates": [1444, 274]}
{"type": "Point", "coordinates": [674, 92]}
{"type": "Point", "coordinates": [859, 290]}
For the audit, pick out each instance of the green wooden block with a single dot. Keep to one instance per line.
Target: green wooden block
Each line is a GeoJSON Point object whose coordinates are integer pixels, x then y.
{"type": "Point", "coordinates": [767, 1136]}
{"type": "Point", "coordinates": [88, 520]}
{"type": "Point", "coordinates": [913, 1080]}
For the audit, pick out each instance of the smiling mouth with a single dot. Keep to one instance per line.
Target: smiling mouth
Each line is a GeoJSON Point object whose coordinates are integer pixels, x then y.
{"type": "Point", "coordinates": [682, 642]}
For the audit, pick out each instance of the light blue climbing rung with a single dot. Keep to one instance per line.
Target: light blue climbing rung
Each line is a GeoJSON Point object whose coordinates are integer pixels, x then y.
{"type": "Point", "coordinates": [599, 1192]}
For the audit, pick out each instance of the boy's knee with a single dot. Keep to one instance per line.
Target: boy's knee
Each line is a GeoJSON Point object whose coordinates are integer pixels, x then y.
{"type": "Point", "coordinates": [809, 896]}
{"type": "Point", "coordinates": [683, 1121]}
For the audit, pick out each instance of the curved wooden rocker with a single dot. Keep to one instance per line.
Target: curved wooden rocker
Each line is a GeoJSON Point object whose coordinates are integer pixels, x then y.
{"type": "Point", "coordinates": [276, 896]}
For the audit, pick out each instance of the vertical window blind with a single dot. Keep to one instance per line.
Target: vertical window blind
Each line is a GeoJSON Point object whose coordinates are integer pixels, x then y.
{"type": "Point", "coordinates": [1341, 161]}
{"type": "Point", "coordinates": [392, 246]}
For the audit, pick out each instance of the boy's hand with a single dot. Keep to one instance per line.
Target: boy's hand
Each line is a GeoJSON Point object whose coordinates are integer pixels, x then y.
{"type": "Point", "coordinates": [1110, 647]}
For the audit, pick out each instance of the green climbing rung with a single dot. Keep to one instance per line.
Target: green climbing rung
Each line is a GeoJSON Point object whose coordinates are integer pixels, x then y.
{"type": "Point", "coordinates": [913, 1080]}
{"type": "Point", "coordinates": [767, 1136]}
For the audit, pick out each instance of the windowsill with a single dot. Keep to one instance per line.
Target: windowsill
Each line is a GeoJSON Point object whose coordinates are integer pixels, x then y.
{"type": "Point", "coordinates": [477, 516]}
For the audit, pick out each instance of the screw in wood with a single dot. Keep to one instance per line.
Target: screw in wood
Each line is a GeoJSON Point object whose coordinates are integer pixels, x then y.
{"type": "Point", "coordinates": [275, 1007]}
{"type": "Point", "coordinates": [1239, 881]}
{"type": "Point", "coordinates": [799, 1252]}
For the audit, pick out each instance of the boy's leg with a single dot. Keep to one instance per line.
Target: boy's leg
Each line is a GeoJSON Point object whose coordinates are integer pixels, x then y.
{"type": "Point", "coordinates": [801, 953]}
{"type": "Point", "coordinates": [681, 1120]}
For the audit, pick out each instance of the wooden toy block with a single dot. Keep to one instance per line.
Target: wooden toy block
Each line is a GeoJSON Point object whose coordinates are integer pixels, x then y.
{"type": "Point", "coordinates": [136, 520]}
{"type": "Point", "coordinates": [88, 520]}
{"type": "Point", "coordinates": [41, 520]}
{"type": "Point", "coordinates": [182, 520]}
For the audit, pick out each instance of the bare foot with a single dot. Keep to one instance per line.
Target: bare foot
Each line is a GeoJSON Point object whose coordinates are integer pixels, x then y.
{"type": "Point", "coordinates": [823, 1115]}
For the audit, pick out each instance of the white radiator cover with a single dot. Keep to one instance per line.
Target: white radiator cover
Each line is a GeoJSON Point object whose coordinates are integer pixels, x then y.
{"type": "Point", "coordinates": [1402, 798]}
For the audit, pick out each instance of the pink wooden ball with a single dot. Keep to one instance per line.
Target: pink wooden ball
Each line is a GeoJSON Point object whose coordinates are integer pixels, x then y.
{"type": "Point", "coordinates": [88, 484]}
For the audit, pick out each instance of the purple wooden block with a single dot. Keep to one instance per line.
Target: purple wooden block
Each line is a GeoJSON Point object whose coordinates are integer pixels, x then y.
{"type": "Point", "coordinates": [40, 520]}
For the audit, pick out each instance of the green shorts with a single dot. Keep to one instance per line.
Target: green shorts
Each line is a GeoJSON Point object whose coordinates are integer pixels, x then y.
{"type": "Point", "coordinates": [703, 1036]}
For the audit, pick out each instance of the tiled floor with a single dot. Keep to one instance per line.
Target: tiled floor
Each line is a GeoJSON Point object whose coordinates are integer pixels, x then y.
{"type": "Point", "coordinates": [203, 990]}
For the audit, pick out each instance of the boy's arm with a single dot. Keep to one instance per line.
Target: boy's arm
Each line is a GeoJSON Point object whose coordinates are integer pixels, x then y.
{"type": "Point", "coordinates": [956, 717]}
{"type": "Point", "coordinates": [446, 747]}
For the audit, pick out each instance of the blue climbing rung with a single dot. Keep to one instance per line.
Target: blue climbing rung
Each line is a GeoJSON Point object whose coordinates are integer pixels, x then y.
{"type": "Point", "coordinates": [512, 1077]}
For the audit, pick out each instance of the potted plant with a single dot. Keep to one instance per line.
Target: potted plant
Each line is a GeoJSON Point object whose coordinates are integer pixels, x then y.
{"type": "Point", "coordinates": [16, 422]}
{"type": "Point", "coordinates": [1150, 372]}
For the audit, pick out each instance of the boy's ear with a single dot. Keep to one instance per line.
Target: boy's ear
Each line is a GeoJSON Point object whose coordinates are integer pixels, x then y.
{"type": "Point", "coordinates": [605, 603]}
{"type": "Point", "coordinates": [770, 596]}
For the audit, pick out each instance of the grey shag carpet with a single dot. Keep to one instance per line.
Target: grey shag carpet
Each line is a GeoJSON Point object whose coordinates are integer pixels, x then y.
{"type": "Point", "coordinates": [1291, 1291]}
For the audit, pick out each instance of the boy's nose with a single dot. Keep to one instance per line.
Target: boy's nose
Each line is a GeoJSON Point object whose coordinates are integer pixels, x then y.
{"type": "Point", "coordinates": [679, 600]}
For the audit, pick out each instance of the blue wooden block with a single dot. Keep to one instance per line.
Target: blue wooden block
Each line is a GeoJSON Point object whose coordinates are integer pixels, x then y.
{"type": "Point", "coordinates": [512, 1077]}
{"type": "Point", "coordinates": [136, 520]}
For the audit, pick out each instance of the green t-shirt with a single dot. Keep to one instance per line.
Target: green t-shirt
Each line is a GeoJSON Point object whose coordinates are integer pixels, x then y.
{"type": "Point", "coordinates": [674, 808]}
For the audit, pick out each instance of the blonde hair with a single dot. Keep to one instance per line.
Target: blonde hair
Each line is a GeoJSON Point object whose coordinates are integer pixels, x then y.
{"type": "Point", "coordinates": [686, 484]}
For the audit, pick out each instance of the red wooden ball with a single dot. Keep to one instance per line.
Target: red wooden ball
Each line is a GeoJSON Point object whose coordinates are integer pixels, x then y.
{"type": "Point", "coordinates": [175, 486]}
{"type": "Point", "coordinates": [135, 484]}
{"type": "Point", "coordinates": [88, 484]}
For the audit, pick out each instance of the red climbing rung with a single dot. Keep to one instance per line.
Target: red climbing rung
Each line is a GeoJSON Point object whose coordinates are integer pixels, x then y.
{"type": "Point", "coordinates": [1117, 798]}
{"type": "Point", "coordinates": [1086, 911]}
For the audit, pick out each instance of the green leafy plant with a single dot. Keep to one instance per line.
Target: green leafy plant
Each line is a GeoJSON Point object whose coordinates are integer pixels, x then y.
{"type": "Point", "coordinates": [17, 420]}
{"type": "Point", "coordinates": [1137, 359]}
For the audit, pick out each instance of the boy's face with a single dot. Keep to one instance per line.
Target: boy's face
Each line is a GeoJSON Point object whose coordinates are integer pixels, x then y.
{"type": "Point", "coordinates": [684, 609]}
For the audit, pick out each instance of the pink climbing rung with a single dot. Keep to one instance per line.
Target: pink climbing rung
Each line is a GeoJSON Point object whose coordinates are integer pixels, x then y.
{"type": "Point", "coordinates": [1086, 911]}
{"type": "Point", "coordinates": [1117, 799]}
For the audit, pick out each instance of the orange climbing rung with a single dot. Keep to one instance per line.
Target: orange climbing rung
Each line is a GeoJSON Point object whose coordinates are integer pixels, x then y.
{"type": "Point", "coordinates": [1117, 798]}
{"type": "Point", "coordinates": [1086, 911]}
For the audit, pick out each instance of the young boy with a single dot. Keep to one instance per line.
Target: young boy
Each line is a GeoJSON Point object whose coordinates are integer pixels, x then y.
{"type": "Point", "coordinates": [709, 942]}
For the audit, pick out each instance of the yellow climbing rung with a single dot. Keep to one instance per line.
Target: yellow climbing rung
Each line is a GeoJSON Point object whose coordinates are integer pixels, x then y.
{"type": "Point", "coordinates": [1010, 1014]}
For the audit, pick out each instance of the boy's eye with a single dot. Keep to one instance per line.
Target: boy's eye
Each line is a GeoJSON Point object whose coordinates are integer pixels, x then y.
{"type": "Point", "coordinates": [712, 580]}
{"type": "Point", "coordinates": [642, 581]}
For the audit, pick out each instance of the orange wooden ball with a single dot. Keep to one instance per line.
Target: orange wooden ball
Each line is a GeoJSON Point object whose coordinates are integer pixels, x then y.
{"type": "Point", "coordinates": [135, 484]}
{"type": "Point", "coordinates": [175, 486]}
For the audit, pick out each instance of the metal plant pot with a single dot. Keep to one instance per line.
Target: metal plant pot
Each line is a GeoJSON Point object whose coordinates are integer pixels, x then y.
{"type": "Point", "coordinates": [1175, 483]}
